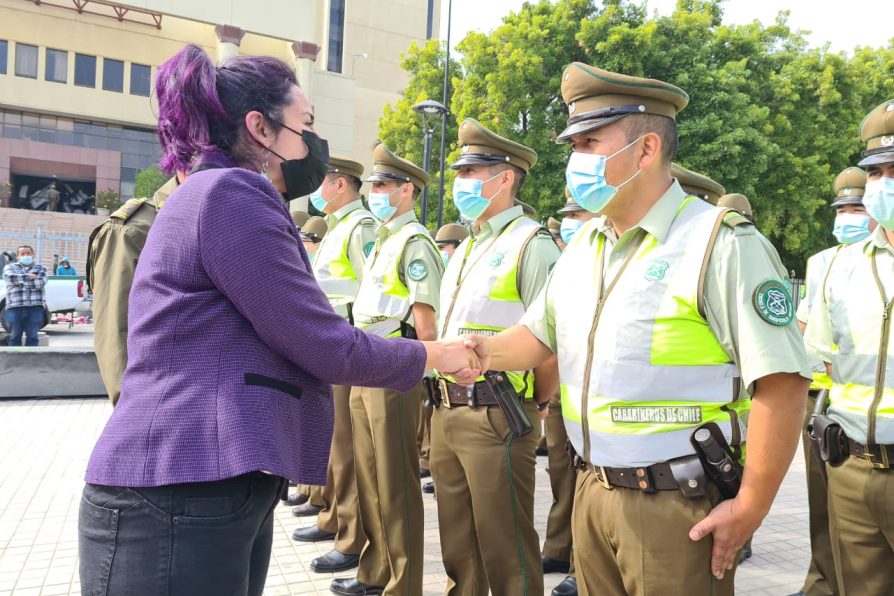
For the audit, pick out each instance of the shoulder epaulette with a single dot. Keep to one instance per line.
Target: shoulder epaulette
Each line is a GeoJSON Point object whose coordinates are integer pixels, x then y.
{"type": "Point", "coordinates": [128, 209]}
{"type": "Point", "coordinates": [734, 219]}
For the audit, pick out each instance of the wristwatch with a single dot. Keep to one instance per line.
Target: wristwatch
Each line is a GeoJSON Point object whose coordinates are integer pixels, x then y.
{"type": "Point", "coordinates": [541, 405]}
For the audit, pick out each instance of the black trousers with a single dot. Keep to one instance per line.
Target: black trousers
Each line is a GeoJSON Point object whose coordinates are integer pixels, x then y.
{"type": "Point", "coordinates": [189, 539]}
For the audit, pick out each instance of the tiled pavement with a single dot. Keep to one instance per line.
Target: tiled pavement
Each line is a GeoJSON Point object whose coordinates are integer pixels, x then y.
{"type": "Point", "coordinates": [44, 445]}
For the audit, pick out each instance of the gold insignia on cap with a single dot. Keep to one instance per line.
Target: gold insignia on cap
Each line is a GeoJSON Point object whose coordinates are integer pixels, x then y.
{"type": "Point", "coordinates": [481, 146]}
{"type": "Point", "coordinates": [887, 141]}
{"type": "Point", "coordinates": [890, 107]}
{"type": "Point", "coordinates": [465, 149]}
{"type": "Point", "coordinates": [571, 107]}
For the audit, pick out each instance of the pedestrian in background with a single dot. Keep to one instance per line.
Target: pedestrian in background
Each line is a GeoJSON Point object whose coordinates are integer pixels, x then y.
{"type": "Point", "coordinates": [25, 297]}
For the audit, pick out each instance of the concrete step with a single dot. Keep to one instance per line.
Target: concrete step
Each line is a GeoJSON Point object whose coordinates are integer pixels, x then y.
{"type": "Point", "coordinates": [49, 372]}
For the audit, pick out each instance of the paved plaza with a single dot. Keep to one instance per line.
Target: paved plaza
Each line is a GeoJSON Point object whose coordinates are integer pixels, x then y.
{"type": "Point", "coordinates": [44, 446]}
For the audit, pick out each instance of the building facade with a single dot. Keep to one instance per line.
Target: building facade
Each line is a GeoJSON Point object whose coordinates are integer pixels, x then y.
{"type": "Point", "coordinates": [76, 79]}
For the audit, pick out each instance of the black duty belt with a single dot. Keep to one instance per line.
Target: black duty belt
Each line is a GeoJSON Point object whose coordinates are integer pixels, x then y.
{"type": "Point", "coordinates": [648, 479]}
{"type": "Point", "coordinates": [877, 456]}
{"type": "Point", "coordinates": [457, 395]}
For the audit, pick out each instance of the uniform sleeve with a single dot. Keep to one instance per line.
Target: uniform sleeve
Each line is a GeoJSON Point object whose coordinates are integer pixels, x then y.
{"type": "Point", "coordinates": [363, 236]}
{"type": "Point", "coordinates": [818, 335]}
{"type": "Point", "coordinates": [741, 262]}
{"type": "Point", "coordinates": [115, 250]}
{"type": "Point", "coordinates": [537, 263]}
{"type": "Point", "coordinates": [421, 270]}
{"type": "Point", "coordinates": [540, 319]}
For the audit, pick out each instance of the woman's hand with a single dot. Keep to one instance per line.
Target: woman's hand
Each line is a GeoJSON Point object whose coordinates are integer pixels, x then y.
{"type": "Point", "coordinates": [452, 357]}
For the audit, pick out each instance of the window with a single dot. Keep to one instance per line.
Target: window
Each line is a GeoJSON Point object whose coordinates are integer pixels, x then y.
{"type": "Point", "coordinates": [4, 52]}
{"type": "Point", "coordinates": [85, 70]}
{"type": "Point", "coordinates": [336, 35]}
{"type": "Point", "coordinates": [139, 79]}
{"type": "Point", "coordinates": [26, 60]}
{"type": "Point", "coordinates": [113, 75]}
{"type": "Point", "coordinates": [57, 66]}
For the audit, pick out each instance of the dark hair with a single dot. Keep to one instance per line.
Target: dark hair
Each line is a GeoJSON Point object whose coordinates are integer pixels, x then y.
{"type": "Point", "coordinates": [636, 125]}
{"type": "Point", "coordinates": [520, 175]}
{"type": "Point", "coordinates": [353, 181]}
{"type": "Point", "coordinates": [201, 106]}
{"type": "Point", "coordinates": [28, 246]}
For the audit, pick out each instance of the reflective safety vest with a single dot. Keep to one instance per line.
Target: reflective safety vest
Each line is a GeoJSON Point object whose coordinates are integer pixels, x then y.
{"type": "Point", "coordinates": [649, 369]}
{"type": "Point", "coordinates": [817, 269]}
{"type": "Point", "coordinates": [383, 301]}
{"type": "Point", "coordinates": [488, 299]}
{"type": "Point", "coordinates": [332, 264]}
{"type": "Point", "coordinates": [862, 395]}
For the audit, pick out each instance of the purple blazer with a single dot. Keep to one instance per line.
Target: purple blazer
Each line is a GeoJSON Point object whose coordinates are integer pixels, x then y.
{"type": "Point", "coordinates": [233, 346]}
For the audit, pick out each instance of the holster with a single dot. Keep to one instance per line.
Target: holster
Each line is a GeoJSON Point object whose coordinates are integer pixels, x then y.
{"type": "Point", "coordinates": [830, 438]}
{"type": "Point", "coordinates": [432, 392]}
{"type": "Point", "coordinates": [690, 476]}
{"type": "Point", "coordinates": [510, 403]}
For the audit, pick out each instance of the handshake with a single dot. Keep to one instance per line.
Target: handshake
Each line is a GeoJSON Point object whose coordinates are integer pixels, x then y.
{"type": "Point", "coordinates": [463, 358]}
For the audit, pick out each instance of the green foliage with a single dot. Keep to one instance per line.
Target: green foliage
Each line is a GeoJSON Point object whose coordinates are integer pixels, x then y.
{"type": "Point", "coordinates": [148, 181]}
{"type": "Point", "coordinates": [769, 117]}
{"type": "Point", "coordinates": [107, 199]}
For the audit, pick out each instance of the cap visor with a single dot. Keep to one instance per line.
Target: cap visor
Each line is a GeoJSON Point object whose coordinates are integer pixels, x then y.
{"type": "Point", "coordinates": [475, 161]}
{"type": "Point", "coordinates": [570, 209]}
{"type": "Point", "coordinates": [878, 158]}
{"type": "Point", "coordinates": [586, 125]}
{"type": "Point", "coordinates": [842, 201]}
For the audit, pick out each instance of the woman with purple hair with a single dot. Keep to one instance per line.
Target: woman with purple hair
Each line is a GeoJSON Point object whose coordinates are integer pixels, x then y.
{"type": "Point", "coordinates": [232, 346]}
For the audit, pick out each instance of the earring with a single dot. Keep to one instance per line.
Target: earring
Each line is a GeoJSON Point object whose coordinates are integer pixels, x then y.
{"type": "Point", "coordinates": [264, 165]}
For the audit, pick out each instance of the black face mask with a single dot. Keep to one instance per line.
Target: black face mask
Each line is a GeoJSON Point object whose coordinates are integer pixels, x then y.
{"type": "Point", "coordinates": [305, 175]}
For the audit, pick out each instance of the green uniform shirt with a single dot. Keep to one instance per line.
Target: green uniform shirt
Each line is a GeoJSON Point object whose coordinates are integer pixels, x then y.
{"type": "Point", "coordinates": [425, 284]}
{"type": "Point", "coordinates": [537, 262]}
{"type": "Point", "coordinates": [741, 261]}
{"type": "Point", "coordinates": [819, 325]}
{"type": "Point", "coordinates": [362, 239]}
{"type": "Point", "coordinates": [115, 247]}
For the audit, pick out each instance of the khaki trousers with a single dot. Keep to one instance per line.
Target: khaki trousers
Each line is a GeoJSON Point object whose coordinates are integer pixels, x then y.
{"type": "Point", "coordinates": [562, 480]}
{"type": "Point", "coordinates": [314, 494]}
{"type": "Point", "coordinates": [820, 580]}
{"type": "Point", "coordinates": [484, 480]}
{"type": "Point", "coordinates": [861, 515]}
{"type": "Point", "coordinates": [386, 463]}
{"type": "Point", "coordinates": [341, 511]}
{"type": "Point", "coordinates": [631, 543]}
{"type": "Point", "coordinates": [423, 436]}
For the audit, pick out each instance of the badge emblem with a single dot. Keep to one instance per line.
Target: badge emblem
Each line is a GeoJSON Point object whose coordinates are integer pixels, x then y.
{"type": "Point", "coordinates": [773, 303]}
{"type": "Point", "coordinates": [368, 248]}
{"type": "Point", "coordinates": [496, 260]}
{"type": "Point", "coordinates": [571, 108]}
{"type": "Point", "coordinates": [657, 270]}
{"type": "Point", "coordinates": [417, 270]}
{"type": "Point", "coordinates": [887, 141]}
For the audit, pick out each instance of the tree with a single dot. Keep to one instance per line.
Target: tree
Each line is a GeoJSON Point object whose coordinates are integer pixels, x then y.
{"type": "Point", "coordinates": [148, 181]}
{"type": "Point", "coordinates": [769, 116]}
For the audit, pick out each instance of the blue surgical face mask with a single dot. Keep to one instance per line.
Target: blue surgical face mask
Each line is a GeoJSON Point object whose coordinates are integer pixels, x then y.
{"type": "Point", "coordinates": [569, 228]}
{"type": "Point", "coordinates": [316, 197]}
{"type": "Point", "coordinates": [851, 227]}
{"type": "Point", "coordinates": [380, 204]}
{"type": "Point", "coordinates": [468, 198]}
{"type": "Point", "coordinates": [879, 201]}
{"type": "Point", "coordinates": [26, 260]}
{"type": "Point", "coordinates": [585, 177]}
{"type": "Point", "coordinates": [445, 257]}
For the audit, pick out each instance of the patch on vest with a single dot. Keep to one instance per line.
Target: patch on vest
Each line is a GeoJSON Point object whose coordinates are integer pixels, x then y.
{"type": "Point", "coordinates": [468, 331]}
{"type": "Point", "coordinates": [368, 248]}
{"type": "Point", "coordinates": [772, 302]}
{"type": "Point", "coordinates": [417, 270]}
{"type": "Point", "coordinates": [656, 414]}
{"type": "Point", "coordinates": [657, 270]}
{"type": "Point", "coordinates": [496, 260]}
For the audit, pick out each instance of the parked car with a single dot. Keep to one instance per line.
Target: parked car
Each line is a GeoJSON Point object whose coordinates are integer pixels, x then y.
{"type": "Point", "coordinates": [64, 294]}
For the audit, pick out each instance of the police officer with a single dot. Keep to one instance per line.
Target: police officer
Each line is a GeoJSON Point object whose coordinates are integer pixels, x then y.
{"type": "Point", "coordinates": [300, 218]}
{"type": "Point", "coordinates": [448, 238]}
{"type": "Point", "coordinates": [113, 250]}
{"type": "Point", "coordinates": [697, 185]}
{"type": "Point", "coordinates": [312, 233]}
{"type": "Point", "coordinates": [852, 224]}
{"type": "Point", "coordinates": [737, 202]}
{"type": "Point", "coordinates": [557, 545]}
{"type": "Point", "coordinates": [849, 327]}
{"type": "Point", "coordinates": [398, 296]}
{"type": "Point", "coordinates": [485, 478]}
{"type": "Point", "coordinates": [554, 226]}
{"type": "Point", "coordinates": [338, 267]}
{"type": "Point", "coordinates": [681, 342]}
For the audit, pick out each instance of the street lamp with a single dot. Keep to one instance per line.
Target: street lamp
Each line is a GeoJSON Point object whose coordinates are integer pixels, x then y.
{"type": "Point", "coordinates": [429, 110]}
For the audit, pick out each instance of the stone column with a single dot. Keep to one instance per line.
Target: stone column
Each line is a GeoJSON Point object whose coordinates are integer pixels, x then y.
{"type": "Point", "coordinates": [228, 40]}
{"type": "Point", "coordinates": [305, 56]}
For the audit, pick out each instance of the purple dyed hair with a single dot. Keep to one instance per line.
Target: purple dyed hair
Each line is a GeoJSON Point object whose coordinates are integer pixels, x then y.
{"type": "Point", "coordinates": [201, 106]}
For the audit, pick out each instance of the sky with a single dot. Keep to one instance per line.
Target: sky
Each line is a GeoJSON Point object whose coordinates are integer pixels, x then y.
{"type": "Point", "coordinates": [863, 22]}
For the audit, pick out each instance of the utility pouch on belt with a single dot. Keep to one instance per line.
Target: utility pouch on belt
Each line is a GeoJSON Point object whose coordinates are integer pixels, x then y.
{"type": "Point", "coordinates": [510, 403]}
{"type": "Point", "coordinates": [830, 437]}
{"type": "Point", "coordinates": [690, 476]}
{"type": "Point", "coordinates": [432, 392]}
{"type": "Point", "coordinates": [717, 458]}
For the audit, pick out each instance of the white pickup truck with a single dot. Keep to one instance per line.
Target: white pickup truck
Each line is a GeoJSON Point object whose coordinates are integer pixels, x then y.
{"type": "Point", "coordinates": [64, 294]}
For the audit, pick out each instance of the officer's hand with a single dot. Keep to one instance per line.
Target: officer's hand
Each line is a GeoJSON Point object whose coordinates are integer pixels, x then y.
{"type": "Point", "coordinates": [457, 360]}
{"type": "Point", "coordinates": [544, 413]}
{"type": "Point", "coordinates": [731, 525]}
{"type": "Point", "coordinates": [479, 344]}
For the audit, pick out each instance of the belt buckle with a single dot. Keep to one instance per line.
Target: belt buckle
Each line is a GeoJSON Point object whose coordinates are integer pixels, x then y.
{"type": "Point", "coordinates": [602, 477]}
{"type": "Point", "coordinates": [876, 464]}
{"type": "Point", "coordinates": [445, 395]}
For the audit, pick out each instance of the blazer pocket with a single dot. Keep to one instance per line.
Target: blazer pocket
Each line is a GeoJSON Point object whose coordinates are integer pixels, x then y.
{"type": "Point", "coordinates": [258, 380]}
